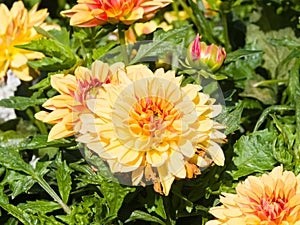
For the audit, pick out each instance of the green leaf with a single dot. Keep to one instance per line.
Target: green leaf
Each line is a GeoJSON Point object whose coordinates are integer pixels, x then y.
{"type": "Point", "coordinates": [49, 47]}
{"type": "Point", "coordinates": [39, 207]}
{"type": "Point", "coordinates": [273, 55]}
{"type": "Point", "coordinates": [21, 103]}
{"type": "Point", "coordinates": [140, 215]}
{"type": "Point", "coordinates": [47, 63]}
{"type": "Point", "coordinates": [43, 84]}
{"type": "Point", "coordinates": [61, 35]}
{"type": "Point", "coordinates": [12, 221]}
{"type": "Point", "coordinates": [18, 183]}
{"type": "Point", "coordinates": [58, 56]}
{"type": "Point", "coordinates": [155, 204]}
{"type": "Point", "coordinates": [281, 153]}
{"type": "Point", "coordinates": [63, 176]}
{"type": "Point", "coordinates": [11, 140]}
{"type": "Point", "coordinates": [254, 153]}
{"type": "Point", "coordinates": [287, 41]}
{"type": "Point", "coordinates": [163, 42]}
{"type": "Point", "coordinates": [232, 118]}
{"type": "Point", "coordinates": [23, 217]}
{"type": "Point", "coordinates": [100, 51]}
{"type": "Point", "coordinates": [240, 53]}
{"type": "Point", "coordinates": [10, 158]}
{"type": "Point", "coordinates": [267, 94]}
{"type": "Point", "coordinates": [3, 197]}
{"type": "Point", "coordinates": [41, 141]}
{"type": "Point", "coordinates": [26, 218]}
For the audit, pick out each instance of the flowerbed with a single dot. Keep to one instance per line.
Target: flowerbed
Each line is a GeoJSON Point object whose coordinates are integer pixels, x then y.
{"type": "Point", "coordinates": [150, 112]}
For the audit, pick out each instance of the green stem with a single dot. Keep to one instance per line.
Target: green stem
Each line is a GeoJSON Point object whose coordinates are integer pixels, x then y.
{"type": "Point", "coordinates": [268, 110]}
{"type": "Point", "coordinates": [190, 13]}
{"type": "Point", "coordinates": [226, 33]}
{"type": "Point", "coordinates": [122, 41]}
{"type": "Point", "coordinates": [52, 193]}
{"type": "Point", "coordinates": [268, 82]}
{"type": "Point", "coordinates": [176, 10]}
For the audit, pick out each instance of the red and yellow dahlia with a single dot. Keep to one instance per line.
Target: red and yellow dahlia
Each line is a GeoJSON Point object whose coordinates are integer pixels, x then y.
{"type": "Point", "coordinates": [89, 13]}
{"type": "Point", "coordinates": [272, 199]}
{"type": "Point", "coordinates": [74, 91]}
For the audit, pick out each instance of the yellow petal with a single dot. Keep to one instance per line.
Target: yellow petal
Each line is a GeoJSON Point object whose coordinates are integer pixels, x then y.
{"type": "Point", "coordinates": [294, 201]}
{"type": "Point", "coordinates": [176, 165]}
{"type": "Point", "coordinates": [57, 115]}
{"type": "Point", "coordinates": [63, 84]}
{"type": "Point", "coordinates": [213, 222]}
{"type": "Point", "coordinates": [5, 18]}
{"type": "Point", "coordinates": [59, 131]}
{"type": "Point", "coordinates": [137, 175]}
{"type": "Point", "coordinates": [216, 153]}
{"type": "Point", "coordinates": [128, 156]}
{"type": "Point", "coordinates": [218, 212]}
{"type": "Point", "coordinates": [81, 18]}
{"type": "Point", "coordinates": [156, 158]}
{"type": "Point", "coordinates": [187, 149]}
{"type": "Point", "coordinates": [166, 178]}
{"type": "Point", "coordinates": [59, 101]}
{"type": "Point", "coordinates": [41, 115]}
{"type": "Point", "coordinates": [100, 70]}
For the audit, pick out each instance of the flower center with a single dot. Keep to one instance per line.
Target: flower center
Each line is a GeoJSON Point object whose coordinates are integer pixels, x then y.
{"type": "Point", "coordinates": [153, 118]}
{"type": "Point", "coordinates": [87, 90]}
{"type": "Point", "coordinates": [271, 209]}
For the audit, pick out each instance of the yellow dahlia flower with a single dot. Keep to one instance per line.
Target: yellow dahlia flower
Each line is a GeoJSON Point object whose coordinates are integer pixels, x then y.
{"type": "Point", "coordinates": [149, 126]}
{"type": "Point", "coordinates": [272, 199]}
{"type": "Point", "coordinates": [17, 28]}
{"type": "Point", "coordinates": [89, 13]}
{"type": "Point", "coordinates": [74, 92]}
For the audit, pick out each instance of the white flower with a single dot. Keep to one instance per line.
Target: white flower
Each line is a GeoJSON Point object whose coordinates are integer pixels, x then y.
{"type": "Point", "coordinates": [7, 89]}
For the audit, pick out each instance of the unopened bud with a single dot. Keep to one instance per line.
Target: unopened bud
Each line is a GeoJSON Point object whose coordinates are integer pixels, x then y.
{"type": "Point", "coordinates": [201, 56]}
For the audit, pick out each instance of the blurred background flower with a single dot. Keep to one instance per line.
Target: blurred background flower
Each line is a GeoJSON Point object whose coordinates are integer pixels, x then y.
{"type": "Point", "coordinates": [89, 13]}
{"type": "Point", "coordinates": [17, 28]}
{"type": "Point", "coordinates": [7, 89]}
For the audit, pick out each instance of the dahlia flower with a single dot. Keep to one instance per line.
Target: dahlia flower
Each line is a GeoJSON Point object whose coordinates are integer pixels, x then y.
{"type": "Point", "coordinates": [89, 13]}
{"type": "Point", "coordinates": [17, 28]}
{"type": "Point", "coordinates": [151, 128]}
{"type": "Point", "coordinates": [272, 199]}
{"type": "Point", "coordinates": [74, 92]}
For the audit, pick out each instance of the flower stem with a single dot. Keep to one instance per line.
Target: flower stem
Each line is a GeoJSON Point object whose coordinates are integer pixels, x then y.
{"type": "Point", "coordinates": [226, 34]}
{"type": "Point", "coordinates": [52, 193]}
{"type": "Point", "coordinates": [122, 41]}
{"type": "Point", "coordinates": [268, 82]}
{"type": "Point", "coordinates": [190, 13]}
{"type": "Point", "coordinates": [176, 10]}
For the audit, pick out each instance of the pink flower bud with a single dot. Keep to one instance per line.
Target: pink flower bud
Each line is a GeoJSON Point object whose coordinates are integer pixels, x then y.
{"type": "Point", "coordinates": [201, 56]}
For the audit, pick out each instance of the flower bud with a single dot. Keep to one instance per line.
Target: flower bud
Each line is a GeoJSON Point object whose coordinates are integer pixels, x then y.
{"type": "Point", "coordinates": [201, 56]}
